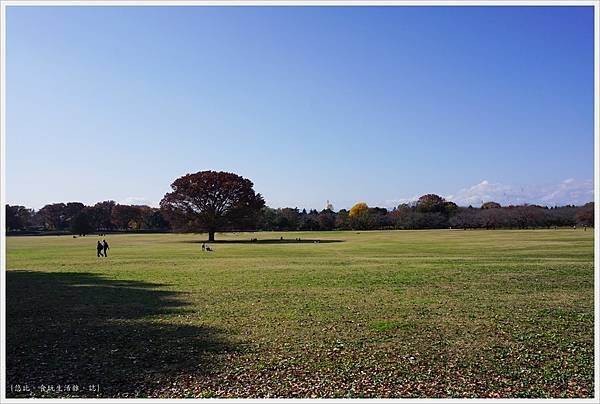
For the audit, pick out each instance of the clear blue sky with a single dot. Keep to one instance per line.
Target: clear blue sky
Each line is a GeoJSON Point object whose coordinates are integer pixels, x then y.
{"type": "Point", "coordinates": [310, 103]}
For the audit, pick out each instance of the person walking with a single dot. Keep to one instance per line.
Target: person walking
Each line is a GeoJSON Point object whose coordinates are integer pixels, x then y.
{"type": "Point", "coordinates": [105, 247]}
{"type": "Point", "coordinates": [99, 248]}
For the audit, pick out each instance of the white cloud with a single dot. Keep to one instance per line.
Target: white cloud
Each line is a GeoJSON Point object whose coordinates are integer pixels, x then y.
{"type": "Point", "coordinates": [137, 200]}
{"type": "Point", "coordinates": [396, 202]}
{"type": "Point", "coordinates": [569, 191]}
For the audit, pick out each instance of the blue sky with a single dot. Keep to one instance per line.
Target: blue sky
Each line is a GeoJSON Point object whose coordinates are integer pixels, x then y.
{"type": "Point", "coordinates": [311, 103]}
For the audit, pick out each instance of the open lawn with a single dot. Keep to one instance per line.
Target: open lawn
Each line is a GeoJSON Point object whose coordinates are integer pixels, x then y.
{"type": "Point", "coordinates": [446, 313]}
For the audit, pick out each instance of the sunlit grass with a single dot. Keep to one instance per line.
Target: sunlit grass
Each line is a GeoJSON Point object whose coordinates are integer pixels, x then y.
{"type": "Point", "coordinates": [374, 314]}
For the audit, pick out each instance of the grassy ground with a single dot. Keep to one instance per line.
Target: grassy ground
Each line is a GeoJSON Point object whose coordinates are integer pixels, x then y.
{"type": "Point", "coordinates": [447, 313]}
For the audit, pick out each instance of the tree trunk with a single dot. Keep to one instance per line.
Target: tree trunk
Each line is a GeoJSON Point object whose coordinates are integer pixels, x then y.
{"type": "Point", "coordinates": [211, 235]}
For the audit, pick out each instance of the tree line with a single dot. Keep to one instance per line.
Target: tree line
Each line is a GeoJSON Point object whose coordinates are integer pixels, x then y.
{"type": "Point", "coordinates": [428, 212]}
{"type": "Point", "coordinates": [210, 201]}
{"type": "Point", "coordinates": [77, 218]}
{"type": "Point", "coordinates": [105, 216]}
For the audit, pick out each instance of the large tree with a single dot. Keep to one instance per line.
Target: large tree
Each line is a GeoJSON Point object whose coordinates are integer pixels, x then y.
{"type": "Point", "coordinates": [211, 201]}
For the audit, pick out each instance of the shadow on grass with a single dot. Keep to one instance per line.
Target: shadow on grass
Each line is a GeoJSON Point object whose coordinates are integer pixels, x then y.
{"type": "Point", "coordinates": [82, 329]}
{"type": "Point", "coordinates": [266, 241]}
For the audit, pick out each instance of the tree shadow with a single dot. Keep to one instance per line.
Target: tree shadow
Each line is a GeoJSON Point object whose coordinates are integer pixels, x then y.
{"type": "Point", "coordinates": [266, 241]}
{"type": "Point", "coordinates": [109, 338]}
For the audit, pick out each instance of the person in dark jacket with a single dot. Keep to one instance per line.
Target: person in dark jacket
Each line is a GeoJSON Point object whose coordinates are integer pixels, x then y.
{"type": "Point", "coordinates": [99, 248]}
{"type": "Point", "coordinates": [105, 247]}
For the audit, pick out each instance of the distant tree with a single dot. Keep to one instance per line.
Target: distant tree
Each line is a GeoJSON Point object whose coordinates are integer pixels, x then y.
{"type": "Point", "coordinates": [152, 219]}
{"type": "Point", "coordinates": [430, 220]}
{"type": "Point", "coordinates": [358, 209]}
{"type": "Point", "coordinates": [287, 219]}
{"type": "Point", "coordinates": [524, 216]}
{"type": "Point", "coordinates": [73, 208]}
{"type": "Point", "coordinates": [450, 208]}
{"type": "Point", "coordinates": [562, 216]}
{"type": "Point", "coordinates": [13, 221]}
{"type": "Point", "coordinates": [466, 218]}
{"type": "Point", "coordinates": [515, 216]}
{"type": "Point", "coordinates": [81, 223]}
{"type": "Point", "coordinates": [309, 221]}
{"type": "Point", "coordinates": [535, 216]}
{"type": "Point", "coordinates": [403, 216]}
{"type": "Point", "coordinates": [101, 215]}
{"type": "Point", "coordinates": [585, 214]}
{"type": "Point", "coordinates": [54, 216]}
{"type": "Point", "coordinates": [490, 205]}
{"type": "Point", "coordinates": [18, 217]}
{"type": "Point", "coordinates": [267, 218]}
{"type": "Point", "coordinates": [430, 203]}
{"type": "Point", "coordinates": [211, 200]}
{"type": "Point", "coordinates": [429, 212]}
{"type": "Point", "coordinates": [342, 221]}
{"type": "Point", "coordinates": [490, 217]}
{"type": "Point", "coordinates": [377, 218]}
{"type": "Point", "coordinates": [326, 219]}
{"type": "Point", "coordinates": [126, 216]}
{"type": "Point", "coordinates": [360, 217]}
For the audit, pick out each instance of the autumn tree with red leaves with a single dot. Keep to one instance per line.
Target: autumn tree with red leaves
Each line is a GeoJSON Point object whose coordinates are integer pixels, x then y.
{"type": "Point", "coordinates": [211, 201]}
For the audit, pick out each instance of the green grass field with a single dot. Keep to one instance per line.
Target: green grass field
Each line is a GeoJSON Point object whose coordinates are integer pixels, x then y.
{"type": "Point", "coordinates": [446, 313]}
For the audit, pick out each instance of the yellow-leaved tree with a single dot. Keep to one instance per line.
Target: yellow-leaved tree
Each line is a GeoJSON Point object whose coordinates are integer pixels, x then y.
{"type": "Point", "coordinates": [359, 216]}
{"type": "Point", "coordinates": [357, 209]}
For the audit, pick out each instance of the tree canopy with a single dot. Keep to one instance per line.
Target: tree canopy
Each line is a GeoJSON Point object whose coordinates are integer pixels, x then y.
{"type": "Point", "coordinates": [358, 209]}
{"type": "Point", "coordinates": [211, 201]}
